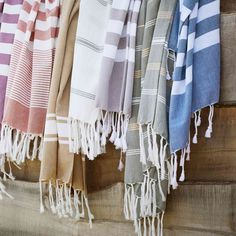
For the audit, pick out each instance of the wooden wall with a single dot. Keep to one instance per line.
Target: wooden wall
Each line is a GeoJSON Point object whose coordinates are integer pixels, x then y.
{"type": "Point", "coordinates": [204, 205]}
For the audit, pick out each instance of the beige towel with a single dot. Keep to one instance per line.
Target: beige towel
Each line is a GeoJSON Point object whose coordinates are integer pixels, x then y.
{"type": "Point", "coordinates": [62, 170]}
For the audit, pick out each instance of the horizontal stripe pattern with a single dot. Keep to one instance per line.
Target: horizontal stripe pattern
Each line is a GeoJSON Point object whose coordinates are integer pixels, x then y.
{"type": "Point", "coordinates": [89, 44]}
{"type": "Point", "coordinates": [90, 40]}
{"type": "Point", "coordinates": [56, 129]}
{"type": "Point", "coordinates": [145, 27]}
{"type": "Point", "coordinates": [117, 69]}
{"type": "Point", "coordinates": [153, 96]}
{"type": "Point", "coordinates": [32, 60]}
{"type": "Point", "coordinates": [196, 77]}
{"type": "Point", "coordinates": [145, 146]}
{"type": "Point", "coordinates": [9, 15]}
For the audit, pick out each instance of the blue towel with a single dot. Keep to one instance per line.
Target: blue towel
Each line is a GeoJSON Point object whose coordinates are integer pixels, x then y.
{"type": "Point", "coordinates": [195, 38]}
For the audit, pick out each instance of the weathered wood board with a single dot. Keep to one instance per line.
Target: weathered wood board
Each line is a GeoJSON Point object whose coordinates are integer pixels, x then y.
{"type": "Point", "coordinates": [211, 159]}
{"type": "Point", "coordinates": [228, 52]}
{"type": "Point", "coordinates": [199, 209]}
{"type": "Point", "coordinates": [228, 6]}
{"type": "Point", "coordinates": [214, 159]}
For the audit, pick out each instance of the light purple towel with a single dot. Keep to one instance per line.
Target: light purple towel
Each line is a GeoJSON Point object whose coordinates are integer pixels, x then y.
{"type": "Point", "coordinates": [9, 14]}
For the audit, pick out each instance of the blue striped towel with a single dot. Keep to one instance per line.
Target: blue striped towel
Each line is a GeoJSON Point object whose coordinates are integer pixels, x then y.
{"type": "Point", "coordinates": [195, 38]}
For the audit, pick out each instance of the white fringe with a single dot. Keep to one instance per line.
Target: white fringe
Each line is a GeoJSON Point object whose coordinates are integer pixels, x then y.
{"type": "Point", "coordinates": [144, 224]}
{"type": "Point", "coordinates": [156, 151]}
{"type": "Point", "coordinates": [210, 121]}
{"type": "Point", "coordinates": [3, 191]}
{"type": "Point", "coordinates": [185, 153]}
{"type": "Point", "coordinates": [148, 208]}
{"type": "Point", "coordinates": [121, 164]}
{"type": "Point", "coordinates": [3, 160]}
{"type": "Point", "coordinates": [17, 145]}
{"type": "Point", "coordinates": [62, 203]}
{"type": "Point", "coordinates": [91, 139]}
{"type": "Point", "coordinates": [174, 168]}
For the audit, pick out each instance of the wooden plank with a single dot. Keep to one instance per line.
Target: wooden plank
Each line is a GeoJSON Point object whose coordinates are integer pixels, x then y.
{"type": "Point", "coordinates": [228, 52]}
{"type": "Point", "coordinates": [42, 228]}
{"type": "Point", "coordinates": [211, 166]}
{"type": "Point", "coordinates": [211, 159]}
{"type": "Point", "coordinates": [214, 159]}
{"type": "Point", "coordinates": [21, 216]}
{"type": "Point", "coordinates": [107, 204]}
{"type": "Point", "coordinates": [234, 211]}
{"type": "Point", "coordinates": [203, 207]}
{"type": "Point", "coordinates": [228, 5]}
{"type": "Point", "coordinates": [29, 171]}
{"type": "Point", "coordinates": [191, 232]}
{"type": "Point", "coordinates": [103, 172]}
{"type": "Point", "coordinates": [206, 208]}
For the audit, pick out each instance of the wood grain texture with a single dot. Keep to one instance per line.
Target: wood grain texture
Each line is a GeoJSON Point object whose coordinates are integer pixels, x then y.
{"type": "Point", "coordinates": [181, 231]}
{"type": "Point", "coordinates": [103, 172]}
{"type": "Point", "coordinates": [21, 216]}
{"type": "Point", "coordinates": [214, 159]}
{"type": "Point", "coordinates": [100, 173]}
{"type": "Point", "coordinates": [228, 63]}
{"type": "Point", "coordinates": [202, 206]}
{"type": "Point", "coordinates": [197, 209]}
{"type": "Point", "coordinates": [228, 5]}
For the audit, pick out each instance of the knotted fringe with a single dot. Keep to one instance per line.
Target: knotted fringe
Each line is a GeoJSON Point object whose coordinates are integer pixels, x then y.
{"type": "Point", "coordinates": [148, 221]}
{"type": "Point", "coordinates": [91, 139]}
{"type": "Point", "coordinates": [156, 152]}
{"type": "Point", "coordinates": [197, 123]}
{"type": "Point", "coordinates": [185, 153]}
{"type": "Point", "coordinates": [18, 145]}
{"type": "Point", "coordinates": [150, 226]}
{"type": "Point", "coordinates": [144, 207]}
{"type": "Point", "coordinates": [121, 163]}
{"type": "Point", "coordinates": [3, 190]}
{"type": "Point", "coordinates": [210, 122]}
{"type": "Point", "coordinates": [3, 160]}
{"type": "Point", "coordinates": [66, 201]}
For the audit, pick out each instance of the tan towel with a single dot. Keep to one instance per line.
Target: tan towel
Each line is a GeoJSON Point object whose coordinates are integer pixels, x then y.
{"type": "Point", "coordinates": [62, 170]}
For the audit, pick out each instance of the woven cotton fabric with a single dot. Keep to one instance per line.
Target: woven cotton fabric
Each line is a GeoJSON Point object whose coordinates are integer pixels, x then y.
{"type": "Point", "coordinates": [63, 171]}
{"type": "Point", "coordinates": [146, 173]}
{"type": "Point", "coordinates": [9, 15]}
{"type": "Point", "coordinates": [84, 115]}
{"type": "Point", "coordinates": [115, 89]}
{"type": "Point", "coordinates": [29, 79]}
{"type": "Point", "coordinates": [196, 78]}
{"type": "Point", "coordinates": [102, 105]}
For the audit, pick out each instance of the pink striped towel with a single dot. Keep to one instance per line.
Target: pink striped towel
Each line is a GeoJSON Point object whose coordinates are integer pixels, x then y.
{"type": "Point", "coordinates": [9, 14]}
{"type": "Point", "coordinates": [29, 80]}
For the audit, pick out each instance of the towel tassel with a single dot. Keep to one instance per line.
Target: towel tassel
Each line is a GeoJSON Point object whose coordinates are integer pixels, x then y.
{"type": "Point", "coordinates": [210, 122]}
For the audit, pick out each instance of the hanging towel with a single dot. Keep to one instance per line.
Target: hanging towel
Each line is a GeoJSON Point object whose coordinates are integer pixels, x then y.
{"type": "Point", "coordinates": [153, 104]}
{"type": "Point", "coordinates": [84, 116]}
{"type": "Point", "coordinates": [102, 105]}
{"type": "Point", "coordinates": [63, 171]}
{"type": "Point", "coordinates": [9, 14]}
{"type": "Point", "coordinates": [146, 173]}
{"type": "Point", "coordinates": [114, 94]}
{"type": "Point", "coordinates": [29, 79]}
{"type": "Point", "coordinates": [195, 38]}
